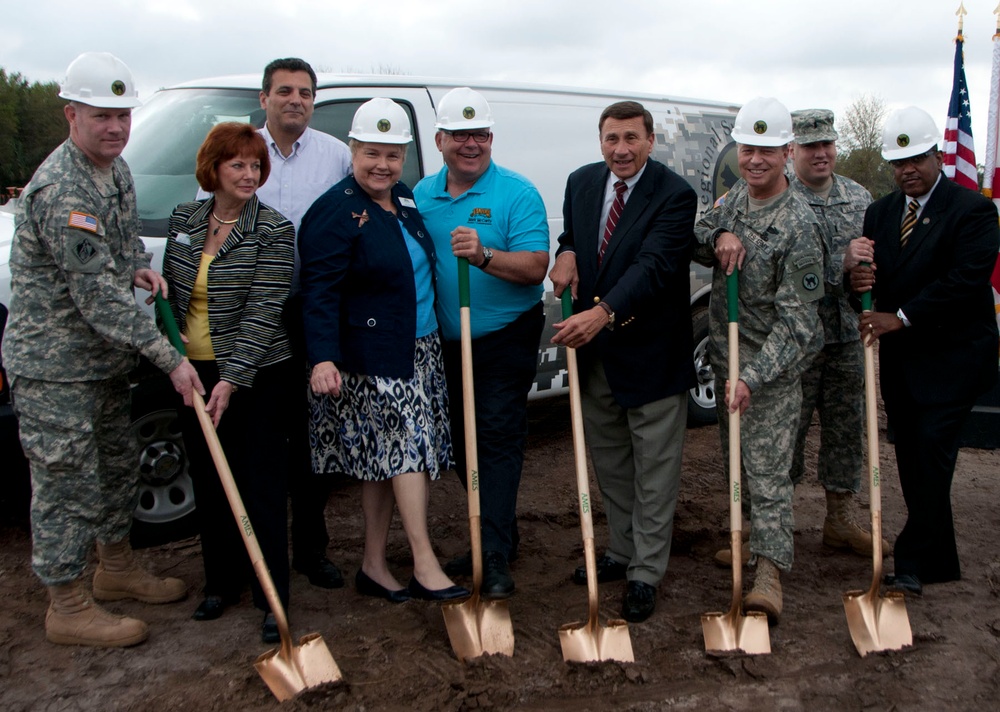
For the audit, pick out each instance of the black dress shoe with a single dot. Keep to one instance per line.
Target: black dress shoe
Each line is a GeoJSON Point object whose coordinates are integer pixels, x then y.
{"type": "Point", "coordinates": [367, 587]}
{"type": "Point", "coordinates": [639, 601]}
{"type": "Point", "coordinates": [607, 570]}
{"type": "Point", "coordinates": [907, 584]}
{"type": "Point", "coordinates": [497, 581]}
{"type": "Point", "coordinates": [269, 630]}
{"type": "Point", "coordinates": [417, 590]}
{"type": "Point", "coordinates": [321, 572]}
{"type": "Point", "coordinates": [213, 606]}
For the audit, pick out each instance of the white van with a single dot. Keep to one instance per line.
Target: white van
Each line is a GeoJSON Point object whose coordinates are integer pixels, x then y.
{"type": "Point", "coordinates": [541, 132]}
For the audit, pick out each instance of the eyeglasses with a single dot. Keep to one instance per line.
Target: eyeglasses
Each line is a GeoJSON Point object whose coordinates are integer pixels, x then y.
{"type": "Point", "coordinates": [911, 161]}
{"type": "Point", "coordinates": [463, 136]}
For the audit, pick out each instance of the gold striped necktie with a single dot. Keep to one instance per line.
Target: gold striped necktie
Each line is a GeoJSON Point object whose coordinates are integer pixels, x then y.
{"type": "Point", "coordinates": [909, 222]}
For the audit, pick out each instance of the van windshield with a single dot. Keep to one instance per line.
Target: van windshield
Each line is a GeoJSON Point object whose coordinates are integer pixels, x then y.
{"type": "Point", "coordinates": [166, 133]}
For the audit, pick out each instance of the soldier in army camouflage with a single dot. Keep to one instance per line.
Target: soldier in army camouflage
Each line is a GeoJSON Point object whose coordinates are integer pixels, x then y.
{"type": "Point", "coordinates": [834, 383]}
{"type": "Point", "coordinates": [771, 234]}
{"type": "Point", "coordinates": [74, 333]}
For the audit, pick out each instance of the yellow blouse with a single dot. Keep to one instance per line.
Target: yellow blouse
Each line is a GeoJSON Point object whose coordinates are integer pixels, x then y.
{"type": "Point", "coordinates": [199, 346]}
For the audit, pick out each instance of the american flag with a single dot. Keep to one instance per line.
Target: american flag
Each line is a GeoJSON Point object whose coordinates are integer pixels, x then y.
{"type": "Point", "coordinates": [83, 221]}
{"type": "Point", "coordinates": [991, 178]}
{"type": "Point", "coordinates": [959, 150]}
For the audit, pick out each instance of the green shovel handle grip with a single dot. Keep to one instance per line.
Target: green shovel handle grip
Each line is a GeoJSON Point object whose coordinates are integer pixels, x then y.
{"type": "Point", "coordinates": [567, 303]}
{"type": "Point", "coordinates": [866, 297]}
{"type": "Point", "coordinates": [732, 294]}
{"type": "Point", "coordinates": [173, 333]}
{"type": "Point", "coordinates": [463, 282]}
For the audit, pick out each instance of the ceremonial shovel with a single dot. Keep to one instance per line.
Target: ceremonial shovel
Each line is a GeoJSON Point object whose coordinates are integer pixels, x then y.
{"type": "Point", "coordinates": [876, 622]}
{"type": "Point", "coordinates": [290, 669]}
{"type": "Point", "coordinates": [592, 641]}
{"type": "Point", "coordinates": [475, 626]}
{"type": "Point", "coordinates": [735, 631]}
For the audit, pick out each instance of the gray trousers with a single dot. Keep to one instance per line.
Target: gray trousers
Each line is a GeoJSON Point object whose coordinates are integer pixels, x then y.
{"type": "Point", "coordinates": [637, 459]}
{"type": "Point", "coordinates": [78, 438]}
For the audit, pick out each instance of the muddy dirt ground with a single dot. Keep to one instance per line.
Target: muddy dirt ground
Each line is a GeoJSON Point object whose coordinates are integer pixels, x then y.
{"type": "Point", "coordinates": [397, 657]}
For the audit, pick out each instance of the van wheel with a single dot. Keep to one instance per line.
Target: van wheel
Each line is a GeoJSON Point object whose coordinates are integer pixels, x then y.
{"type": "Point", "coordinates": [701, 398]}
{"type": "Point", "coordinates": [166, 508]}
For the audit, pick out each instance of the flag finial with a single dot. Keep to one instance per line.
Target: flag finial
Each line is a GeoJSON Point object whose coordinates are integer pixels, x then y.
{"type": "Point", "coordinates": [960, 13]}
{"type": "Point", "coordinates": [996, 11]}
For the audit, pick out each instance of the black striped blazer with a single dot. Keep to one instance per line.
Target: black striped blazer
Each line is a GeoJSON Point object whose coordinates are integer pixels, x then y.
{"type": "Point", "coordinates": [248, 283]}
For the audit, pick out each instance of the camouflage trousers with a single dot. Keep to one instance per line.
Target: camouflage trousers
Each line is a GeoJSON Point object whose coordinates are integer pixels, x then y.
{"type": "Point", "coordinates": [834, 384]}
{"type": "Point", "coordinates": [767, 437]}
{"type": "Point", "coordinates": [78, 439]}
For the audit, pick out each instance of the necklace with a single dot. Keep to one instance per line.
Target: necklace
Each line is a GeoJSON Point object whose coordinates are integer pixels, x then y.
{"type": "Point", "coordinates": [222, 222]}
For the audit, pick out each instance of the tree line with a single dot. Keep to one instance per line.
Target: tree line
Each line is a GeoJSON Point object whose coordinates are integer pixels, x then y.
{"type": "Point", "coordinates": [31, 126]}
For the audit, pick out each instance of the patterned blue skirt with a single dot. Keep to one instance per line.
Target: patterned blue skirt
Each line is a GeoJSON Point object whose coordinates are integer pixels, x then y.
{"type": "Point", "coordinates": [381, 427]}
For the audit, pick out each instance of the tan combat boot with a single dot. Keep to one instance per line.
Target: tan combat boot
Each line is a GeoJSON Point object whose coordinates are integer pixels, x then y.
{"type": "Point", "coordinates": [724, 557]}
{"type": "Point", "coordinates": [74, 619]}
{"type": "Point", "coordinates": [765, 596]}
{"type": "Point", "coordinates": [119, 576]}
{"type": "Point", "coordinates": [841, 532]}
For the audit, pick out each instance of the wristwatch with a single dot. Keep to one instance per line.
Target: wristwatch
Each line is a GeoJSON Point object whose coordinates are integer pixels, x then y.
{"type": "Point", "coordinates": [487, 256]}
{"type": "Point", "coordinates": [611, 315]}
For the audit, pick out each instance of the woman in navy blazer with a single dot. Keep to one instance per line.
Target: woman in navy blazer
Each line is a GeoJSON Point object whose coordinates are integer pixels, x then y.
{"type": "Point", "coordinates": [379, 401]}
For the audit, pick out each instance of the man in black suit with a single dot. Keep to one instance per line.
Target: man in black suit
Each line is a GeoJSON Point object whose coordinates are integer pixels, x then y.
{"type": "Point", "coordinates": [931, 247]}
{"type": "Point", "coordinates": [625, 253]}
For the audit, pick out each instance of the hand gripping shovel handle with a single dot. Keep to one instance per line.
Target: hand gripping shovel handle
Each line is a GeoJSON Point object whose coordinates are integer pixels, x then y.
{"type": "Point", "coordinates": [582, 477]}
{"type": "Point", "coordinates": [469, 410]}
{"type": "Point", "coordinates": [229, 485]}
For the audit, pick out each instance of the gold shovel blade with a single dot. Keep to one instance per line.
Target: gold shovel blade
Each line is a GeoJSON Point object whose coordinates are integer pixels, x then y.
{"type": "Point", "coordinates": [735, 633]}
{"type": "Point", "coordinates": [584, 644]}
{"type": "Point", "coordinates": [308, 664]}
{"type": "Point", "coordinates": [476, 626]}
{"type": "Point", "coordinates": [876, 622]}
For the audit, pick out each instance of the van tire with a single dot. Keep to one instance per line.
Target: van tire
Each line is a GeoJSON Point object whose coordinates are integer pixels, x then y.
{"type": "Point", "coordinates": [701, 398]}
{"type": "Point", "coordinates": [166, 508]}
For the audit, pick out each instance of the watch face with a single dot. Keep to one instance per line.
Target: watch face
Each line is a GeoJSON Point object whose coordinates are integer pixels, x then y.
{"type": "Point", "coordinates": [487, 253]}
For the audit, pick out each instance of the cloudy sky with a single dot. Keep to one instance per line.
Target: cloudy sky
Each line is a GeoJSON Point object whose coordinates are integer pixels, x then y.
{"type": "Point", "coordinates": [806, 53]}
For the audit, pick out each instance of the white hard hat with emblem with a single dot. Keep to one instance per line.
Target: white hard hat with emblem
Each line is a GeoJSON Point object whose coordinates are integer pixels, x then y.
{"type": "Point", "coordinates": [763, 122]}
{"type": "Point", "coordinates": [381, 120]}
{"type": "Point", "coordinates": [463, 109]}
{"type": "Point", "coordinates": [908, 132]}
{"type": "Point", "coordinates": [100, 79]}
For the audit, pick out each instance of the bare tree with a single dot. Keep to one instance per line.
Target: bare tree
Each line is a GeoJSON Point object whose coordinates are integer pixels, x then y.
{"type": "Point", "coordinates": [860, 145]}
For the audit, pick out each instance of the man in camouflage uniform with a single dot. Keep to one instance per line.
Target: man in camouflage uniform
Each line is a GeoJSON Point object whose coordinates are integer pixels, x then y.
{"type": "Point", "coordinates": [834, 383]}
{"type": "Point", "coordinates": [771, 234]}
{"type": "Point", "coordinates": [73, 335]}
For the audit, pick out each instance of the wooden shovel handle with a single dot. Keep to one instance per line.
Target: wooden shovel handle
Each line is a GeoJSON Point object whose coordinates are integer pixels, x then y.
{"type": "Point", "coordinates": [735, 454]}
{"type": "Point", "coordinates": [469, 411]}
{"type": "Point", "coordinates": [232, 491]}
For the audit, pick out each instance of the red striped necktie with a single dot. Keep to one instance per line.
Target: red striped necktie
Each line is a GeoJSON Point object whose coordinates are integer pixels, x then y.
{"type": "Point", "coordinates": [616, 212]}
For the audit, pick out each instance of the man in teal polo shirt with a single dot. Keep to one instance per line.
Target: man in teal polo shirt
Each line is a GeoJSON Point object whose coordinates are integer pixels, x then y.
{"type": "Point", "coordinates": [496, 219]}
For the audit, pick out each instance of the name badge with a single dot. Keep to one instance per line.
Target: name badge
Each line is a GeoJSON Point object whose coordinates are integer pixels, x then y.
{"type": "Point", "coordinates": [407, 203]}
{"type": "Point", "coordinates": [183, 238]}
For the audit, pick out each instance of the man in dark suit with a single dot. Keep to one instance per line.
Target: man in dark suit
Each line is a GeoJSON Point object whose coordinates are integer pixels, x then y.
{"type": "Point", "coordinates": [625, 252]}
{"type": "Point", "coordinates": [931, 247]}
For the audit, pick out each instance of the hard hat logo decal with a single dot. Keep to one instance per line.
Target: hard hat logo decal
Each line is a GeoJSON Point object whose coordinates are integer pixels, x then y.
{"type": "Point", "coordinates": [469, 113]}
{"type": "Point", "coordinates": [760, 127]}
{"type": "Point", "coordinates": [118, 87]}
{"type": "Point", "coordinates": [383, 125]}
{"type": "Point", "coordinates": [902, 140]}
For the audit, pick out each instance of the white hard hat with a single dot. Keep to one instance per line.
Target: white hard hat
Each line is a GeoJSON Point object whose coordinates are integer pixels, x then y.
{"type": "Point", "coordinates": [908, 132]}
{"type": "Point", "coordinates": [463, 109]}
{"type": "Point", "coordinates": [100, 79]}
{"type": "Point", "coordinates": [381, 120]}
{"type": "Point", "coordinates": [763, 122]}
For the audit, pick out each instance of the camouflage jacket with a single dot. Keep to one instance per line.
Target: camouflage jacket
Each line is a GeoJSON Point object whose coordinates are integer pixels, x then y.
{"type": "Point", "coordinates": [779, 286]}
{"type": "Point", "coordinates": [840, 217]}
{"type": "Point", "coordinates": [76, 247]}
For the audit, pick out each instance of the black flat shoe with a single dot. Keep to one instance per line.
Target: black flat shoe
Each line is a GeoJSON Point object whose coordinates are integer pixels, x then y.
{"type": "Point", "coordinates": [367, 587]}
{"type": "Point", "coordinates": [212, 607]}
{"type": "Point", "coordinates": [321, 572]}
{"type": "Point", "coordinates": [417, 590]}
{"type": "Point", "coordinates": [639, 601]}
{"type": "Point", "coordinates": [269, 630]}
{"type": "Point", "coordinates": [907, 584]}
{"type": "Point", "coordinates": [607, 570]}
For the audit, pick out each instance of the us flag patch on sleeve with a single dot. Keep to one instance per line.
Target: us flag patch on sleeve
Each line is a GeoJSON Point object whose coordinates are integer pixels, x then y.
{"type": "Point", "coordinates": [83, 221]}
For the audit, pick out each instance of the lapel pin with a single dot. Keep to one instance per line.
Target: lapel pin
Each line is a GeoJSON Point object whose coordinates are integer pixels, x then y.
{"type": "Point", "coordinates": [362, 218]}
